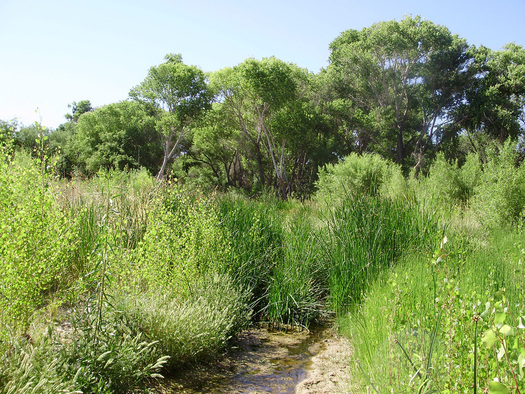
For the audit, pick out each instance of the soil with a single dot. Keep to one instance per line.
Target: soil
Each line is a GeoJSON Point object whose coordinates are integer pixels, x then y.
{"type": "Point", "coordinates": [329, 371]}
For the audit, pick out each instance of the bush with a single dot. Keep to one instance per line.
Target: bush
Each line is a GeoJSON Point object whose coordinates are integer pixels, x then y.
{"type": "Point", "coordinates": [109, 356]}
{"type": "Point", "coordinates": [183, 242]}
{"type": "Point", "coordinates": [356, 175]}
{"type": "Point", "coordinates": [36, 237]}
{"type": "Point", "coordinates": [500, 196]}
{"type": "Point", "coordinates": [193, 328]}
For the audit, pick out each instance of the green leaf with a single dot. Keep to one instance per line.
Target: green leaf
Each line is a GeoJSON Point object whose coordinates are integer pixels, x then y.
{"type": "Point", "coordinates": [499, 317]}
{"type": "Point", "coordinates": [501, 352]}
{"type": "Point", "coordinates": [489, 338]}
{"type": "Point", "coordinates": [507, 330]}
{"type": "Point", "coordinates": [486, 312]}
{"type": "Point", "coordinates": [521, 364]}
{"type": "Point", "coordinates": [497, 388]}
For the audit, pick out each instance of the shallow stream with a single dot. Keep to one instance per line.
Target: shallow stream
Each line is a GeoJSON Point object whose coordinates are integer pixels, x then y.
{"type": "Point", "coordinates": [262, 360]}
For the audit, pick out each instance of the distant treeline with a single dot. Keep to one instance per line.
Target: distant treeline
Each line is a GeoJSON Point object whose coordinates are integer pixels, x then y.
{"type": "Point", "coordinates": [406, 90]}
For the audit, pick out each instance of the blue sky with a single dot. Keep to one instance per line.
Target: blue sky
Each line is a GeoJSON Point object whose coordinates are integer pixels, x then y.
{"type": "Point", "coordinates": [55, 52]}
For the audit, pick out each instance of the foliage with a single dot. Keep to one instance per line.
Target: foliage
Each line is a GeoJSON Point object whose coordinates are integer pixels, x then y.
{"type": "Point", "coordinates": [7, 131]}
{"type": "Point", "coordinates": [495, 99]}
{"type": "Point", "coordinates": [178, 94]}
{"type": "Point", "coordinates": [265, 102]}
{"type": "Point", "coordinates": [397, 81]}
{"type": "Point", "coordinates": [35, 237]}
{"type": "Point", "coordinates": [192, 328]}
{"type": "Point", "coordinates": [357, 175]}
{"type": "Point", "coordinates": [368, 236]}
{"type": "Point", "coordinates": [116, 136]}
{"type": "Point", "coordinates": [182, 243]}
{"type": "Point", "coordinates": [255, 241]}
{"type": "Point", "coordinates": [500, 196]}
{"type": "Point", "coordinates": [448, 292]}
{"type": "Point", "coordinates": [297, 292]}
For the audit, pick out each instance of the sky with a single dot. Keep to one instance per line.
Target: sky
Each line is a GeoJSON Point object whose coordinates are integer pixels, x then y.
{"type": "Point", "coordinates": [56, 52]}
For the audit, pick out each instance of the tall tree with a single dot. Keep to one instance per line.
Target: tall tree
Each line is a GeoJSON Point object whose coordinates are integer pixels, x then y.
{"type": "Point", "coordinates": [179, 94]}
{"type": "Point", "coordinates": [77, 109]}
{"type": "Point", "coordinates": [397, 81]}
{"type": "Point", "coordinates": [252, 94]}
{"type": "Point", "coordinates": [494, 104]}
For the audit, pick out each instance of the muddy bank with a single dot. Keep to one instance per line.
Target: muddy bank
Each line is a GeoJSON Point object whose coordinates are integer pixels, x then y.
{"type": "Point", "coordinates": [271, 361]}
{"type": "Point", "coordinates": [329, 370]}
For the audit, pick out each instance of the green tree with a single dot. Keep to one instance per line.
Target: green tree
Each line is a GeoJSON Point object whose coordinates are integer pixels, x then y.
{"type": "Point", "coordinates": [214, 157]}
{"type": "Point", "coordinates": [117, 136]}
{"type": "Point", "coordinates": [77, 109]}
{"type": "Point", "coordinates": [394, 84]}
{"type": "Point", "coordinates": [495, 100]}
{"type": "Point", "coordinates": [179, 95]}
{"type": "Point", "coordinates": [255, 95]}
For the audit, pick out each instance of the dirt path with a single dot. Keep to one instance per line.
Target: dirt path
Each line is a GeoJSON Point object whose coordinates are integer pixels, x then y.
{"type": "Point", "coordinates": [329, 371]}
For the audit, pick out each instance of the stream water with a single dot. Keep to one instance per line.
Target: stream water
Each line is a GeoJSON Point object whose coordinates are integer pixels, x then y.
{"type": "Point", "coordinates": [261, 360]}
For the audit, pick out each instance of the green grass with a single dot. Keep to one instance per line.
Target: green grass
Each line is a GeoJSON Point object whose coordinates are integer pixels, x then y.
{"type": "Point", "coordinates": [148, 271]}
{"type": "Point", "coordinates": [403, 307]}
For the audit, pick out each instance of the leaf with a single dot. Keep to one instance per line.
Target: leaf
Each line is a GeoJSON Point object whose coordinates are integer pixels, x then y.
{"type": "Point", "coordinates": [489, 338]}
{"type": "Point", "coordinates": [507, 330]}
{"type": "Point", "coordinates": [497, 388]}
{"type": "Point", "coordinates": [521, 324]}
{"type": "Point", "coordinates": [501, 352]}
{"type": "Point", "coordinates": [486, 312]}
{"type": "Point", "coordinates": [521, 364]}
{"type": "Point", "coordinates": [499, 317]}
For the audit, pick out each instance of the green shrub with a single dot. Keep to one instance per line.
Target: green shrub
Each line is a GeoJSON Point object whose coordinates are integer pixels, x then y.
{"type": "Point", "coordinates": [500, 196]}
{"type": "Point", "coordinates": [193, 328]}
{"type": "Point", "coordinates": [446, 187]}
{"type": "Point", "coordinates": [35, 235]}
{"type": "Point", "coordinates": [183, 241]}
{"type": "Point", "coordinates": [360, 174]}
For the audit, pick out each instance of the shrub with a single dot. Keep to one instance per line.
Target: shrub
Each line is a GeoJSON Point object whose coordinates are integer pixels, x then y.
{"type": "Point", "coordinates": [183, 242]}
{"type": "Point", "coordinates": [360, 174]}
{"type": "Point", "coordinates": [500, 195]}
{"type": "Point", "coordinates": [36, 237]}
{"type": "Point", "coordinates": [188, 329]}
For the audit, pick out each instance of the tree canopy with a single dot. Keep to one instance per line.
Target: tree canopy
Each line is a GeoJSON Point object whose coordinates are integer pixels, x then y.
{"type": "Point", "coordinates": [406, 90]}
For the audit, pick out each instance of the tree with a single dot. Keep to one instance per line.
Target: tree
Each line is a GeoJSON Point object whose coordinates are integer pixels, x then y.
{"type": "Point", "coordinates": [397, 81]}
{"type": "Point", "coordinates": [178, 94]}
{"type": "Point", "coordinates": [494, 103]}
{"type": "Point", "coordinates": [252, 95]}
{"type": "Point", "coordinates": [77, 109]}
{"type": "Point", "coordinates": [116, 136]}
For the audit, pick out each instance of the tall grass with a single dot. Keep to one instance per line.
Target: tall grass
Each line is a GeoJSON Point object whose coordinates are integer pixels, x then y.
{"type": "Point", "coordinates": [255, 235]}
{"type": "Point", "coordinates": [368, 235]}
{"type": "Point", "coordinates": [298, 288]}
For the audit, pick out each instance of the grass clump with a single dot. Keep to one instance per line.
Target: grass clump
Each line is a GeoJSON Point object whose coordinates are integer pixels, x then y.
{"type": "Point", "coordinates": [190, 329]}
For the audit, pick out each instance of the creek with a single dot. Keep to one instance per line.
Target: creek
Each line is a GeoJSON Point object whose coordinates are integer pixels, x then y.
{"type": "Point", "coordinates": [261, 360]}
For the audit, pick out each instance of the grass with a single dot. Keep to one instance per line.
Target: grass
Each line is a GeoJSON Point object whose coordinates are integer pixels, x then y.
{"type": "Point", "coordinates": [157, 277]}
